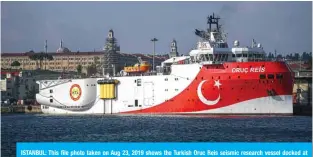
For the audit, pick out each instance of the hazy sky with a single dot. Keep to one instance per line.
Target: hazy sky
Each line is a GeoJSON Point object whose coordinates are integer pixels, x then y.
{"type": "Point", "coordinates": [284, 26]}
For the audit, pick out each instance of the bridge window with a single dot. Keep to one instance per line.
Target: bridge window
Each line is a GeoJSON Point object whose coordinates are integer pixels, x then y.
{"type": "Point", "coordinates": [270, 76]}
{"type": "Point", "coordinates": [51, 91]}
{"type": "Point", "coordinates": [206, 57]}
{"type": "Point", "coordinates": [238, 55]}
{"type": "Point", "coordinates": [245, 55]}
{"type": "Point", "coordinates": [51, 100]}
{"type": "Point", "coordinates": [226, 57]}
{"type": "Point", "coordinates": [210, 57]}
{"type": "Point", "coordinates": [234, 55]}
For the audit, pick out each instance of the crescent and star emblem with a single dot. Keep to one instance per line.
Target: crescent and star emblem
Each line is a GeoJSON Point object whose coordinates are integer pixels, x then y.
{"type": "Point", "coordinates": [203, 99]}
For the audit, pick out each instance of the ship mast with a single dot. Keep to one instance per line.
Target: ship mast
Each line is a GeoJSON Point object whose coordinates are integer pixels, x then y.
{"type": "Point", "coordinates": [213, 20]}
{"type": "Point", "coordinates": [212, 35]}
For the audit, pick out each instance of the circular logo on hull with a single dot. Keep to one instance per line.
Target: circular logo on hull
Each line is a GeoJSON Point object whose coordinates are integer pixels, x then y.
{"type": "Point", "coordinates": [75, 92]}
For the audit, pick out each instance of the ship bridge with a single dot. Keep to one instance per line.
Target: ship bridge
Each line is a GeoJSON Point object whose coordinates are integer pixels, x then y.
{"type": "Point", "coordinates": [212, 47]}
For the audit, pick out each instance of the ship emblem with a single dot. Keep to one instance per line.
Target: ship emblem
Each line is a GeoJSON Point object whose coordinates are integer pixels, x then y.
{"type": "Point", "coordinates": [75, 92]}
{"type": "Point", "coordinates": [203, 99]}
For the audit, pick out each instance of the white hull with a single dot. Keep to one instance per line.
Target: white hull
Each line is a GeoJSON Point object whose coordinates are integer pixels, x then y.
{"type": "Point", "coordinates": [266, 106]}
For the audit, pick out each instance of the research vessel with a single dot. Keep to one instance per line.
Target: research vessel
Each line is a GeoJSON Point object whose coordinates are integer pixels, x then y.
{"type": "Point", "coordinates": [213, 79]}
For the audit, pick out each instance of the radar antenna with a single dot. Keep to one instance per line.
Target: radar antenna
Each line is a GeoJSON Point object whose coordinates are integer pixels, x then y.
{"type": "Point", "coordinates": [212, 20]}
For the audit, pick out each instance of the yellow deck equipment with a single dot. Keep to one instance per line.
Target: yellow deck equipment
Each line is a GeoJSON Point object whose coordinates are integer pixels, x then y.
{"type": "Point", "coordinates": [107, 88]}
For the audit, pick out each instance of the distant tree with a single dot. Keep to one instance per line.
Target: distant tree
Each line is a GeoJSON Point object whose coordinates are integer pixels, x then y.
{"type": "Point", "coordinates": [40, 56]}
{"type": "Point", "coordinates": [48, 57]}
{"type": "Point", "coordinates": [92, 69]}
{"type": "Point", "coordinates": [34, 57]}
{"type": "Point", "coordinates": [15, 64]}
{"type": "Point", "coordinates": [297, 56]}
{"type": "Point", "coordinates": [79, 69]}
{"type": "Point", "coordinates": [310, 63]}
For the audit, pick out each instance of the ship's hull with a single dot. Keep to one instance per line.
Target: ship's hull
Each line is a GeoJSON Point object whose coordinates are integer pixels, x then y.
{"type": "Point", "coordinates": [230, 88]}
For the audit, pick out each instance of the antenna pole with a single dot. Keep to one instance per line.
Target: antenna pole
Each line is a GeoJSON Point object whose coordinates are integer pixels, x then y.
{"type": "Point", "coordinates": [46, 47]}
{"type": "Point", "coordinates": [153, 40]}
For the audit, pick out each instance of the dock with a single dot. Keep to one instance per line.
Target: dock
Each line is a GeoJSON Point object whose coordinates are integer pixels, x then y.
{"type": "Point", "coordinates": [21, 109]}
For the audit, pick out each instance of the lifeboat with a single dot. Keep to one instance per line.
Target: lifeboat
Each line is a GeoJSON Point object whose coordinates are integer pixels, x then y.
{"type": "Point", "coordinates": [142, 67]}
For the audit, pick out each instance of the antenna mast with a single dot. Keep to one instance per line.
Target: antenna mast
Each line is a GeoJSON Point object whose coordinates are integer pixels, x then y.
{"type": "Point", "coordinates": [46, 48]}
{"type": "Point", "coordinates": [213, 20]}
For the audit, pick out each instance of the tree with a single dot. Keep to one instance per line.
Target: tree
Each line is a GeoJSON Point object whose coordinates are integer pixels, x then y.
{"type": "Point", "coordinates": [97, 63]}
{"type": "Point", "coordinates": [310, 63]}
{"type": "Point", "coordinates": [15, 64]}
{"type": "Point", "coordinates": [297, 56]}
{"type": "Point", "coordinates": [79, 69]}
{"type": "Point", "coordinates": [48, 57]}
{"type": "Point", "coordinates": [92, 69]}
{"type": "Point", "coordinates": [34, 57]}
{"type": "Point", "coordinates": [40, 56]}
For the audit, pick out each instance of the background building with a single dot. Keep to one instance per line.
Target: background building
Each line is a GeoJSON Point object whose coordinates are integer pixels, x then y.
{"type": "Point", "coordinates": [18, 85]}
{"type": "Point", "coordinates": [64, 60]}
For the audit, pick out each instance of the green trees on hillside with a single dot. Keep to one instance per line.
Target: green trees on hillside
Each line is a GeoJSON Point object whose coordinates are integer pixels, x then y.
{"type": "Point", "coordinates": [40, 57]}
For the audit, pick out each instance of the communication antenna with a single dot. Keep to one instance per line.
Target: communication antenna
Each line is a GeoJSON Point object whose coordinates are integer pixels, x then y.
{"type": "Point", "coordinates": [46, 49]}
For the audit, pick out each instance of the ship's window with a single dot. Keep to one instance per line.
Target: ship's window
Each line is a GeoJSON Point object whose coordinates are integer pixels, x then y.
{"type": "Point", "coordinates": [166, 79]}
{"type": "Point", "coordinates": [238, 55]}
{"type": "Point", "coordinates": [279, 76]}
{"type": "Point", "coordinates": [270, 76]}
{"type": "Point", "coordinates": [138, 82]}
{"type": "Point", "coordinates": [234, 55]}
{"type": "Point", "coordinates": [210, 57]}
{"type": "Point", "coordinates": [135, 81]}
{"type": "Point", "coordinates": [262, 76]}
{"type": "Point", "coordinates": [206, 57]}
{"type": "Point", "coordinates": [176, 79]}
{"type": "Point", "coordinates": [51, 91]}
{"type": "Point", "coordinates": [166, 89]}
{"type": "Point", "coordinates": [136, 103]}
{"type": "Point", "coordinates": [245, 55]}
{"type": "Point", "coordinates": [51, 100]}
{"type": "Point", "coordinates": [176, 89]}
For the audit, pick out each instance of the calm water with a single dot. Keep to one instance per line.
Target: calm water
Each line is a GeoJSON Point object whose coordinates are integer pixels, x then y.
{"type": "Point", "coordinates": [23, 128]}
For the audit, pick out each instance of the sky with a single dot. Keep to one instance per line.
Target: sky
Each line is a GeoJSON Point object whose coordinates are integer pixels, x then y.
{"type": "Point", "coordinates": [83, 26]}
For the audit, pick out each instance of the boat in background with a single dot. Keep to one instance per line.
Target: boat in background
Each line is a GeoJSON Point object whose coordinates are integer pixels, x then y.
{"type": "Point", "coordinates": [141, 67]}
{"type": "Point", "coordinates": [213, 79]}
